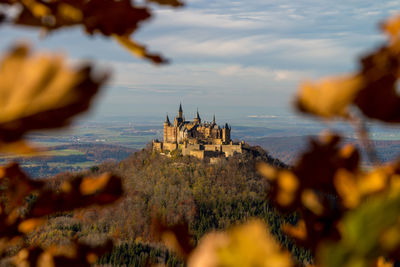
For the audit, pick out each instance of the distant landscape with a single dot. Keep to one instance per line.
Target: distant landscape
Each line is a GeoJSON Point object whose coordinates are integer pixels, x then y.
{"type": "Point", "coordinates": [88, 144]}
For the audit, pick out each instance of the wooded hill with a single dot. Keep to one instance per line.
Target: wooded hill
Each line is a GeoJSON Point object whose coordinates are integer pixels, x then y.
{"type": "Point", "coordinates": [175, 190]}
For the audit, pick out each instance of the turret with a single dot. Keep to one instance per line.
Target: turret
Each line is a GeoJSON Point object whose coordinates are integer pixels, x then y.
{"type": "Point", "coordinates": [167, 122]}
{"type": "Point", "coordinates": [180, 112]}
{"type": "Point", "coordinates": [213, 122]}
{"type": "Point", "coordinates": [226, 134]}
{"type": "Point", "coordinates": [197, 118]}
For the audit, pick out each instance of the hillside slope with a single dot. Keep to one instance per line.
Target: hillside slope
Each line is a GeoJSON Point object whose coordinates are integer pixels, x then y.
{"type": "Point", "coordinates": [175, 190]}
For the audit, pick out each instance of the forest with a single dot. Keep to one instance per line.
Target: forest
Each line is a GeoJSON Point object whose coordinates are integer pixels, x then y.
{"type": "Point", "coordinates": [181, 190]}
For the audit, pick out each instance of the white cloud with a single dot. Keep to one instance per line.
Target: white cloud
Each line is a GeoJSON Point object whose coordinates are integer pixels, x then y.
{"type": "Point", "coordinates": [265, 73]}
{"type": "Point", "coordinates": [198, 18]}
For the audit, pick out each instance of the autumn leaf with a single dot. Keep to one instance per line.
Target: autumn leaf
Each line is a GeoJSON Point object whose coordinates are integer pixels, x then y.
{"type": "Point", "coordinates": [90, 15]}
{"type": "Point", "coordinates": [365, 234]}
{"type": "Point", "coordinates": [18, 185]}
{"type": "Point", "coordinates": [40, 92]}
{"type": "Point", "coordinates": [174, 3]}
{"type": "Point", "coordinates": [110, 22]}
{"type": "Point", "coordinates": [77, 254]}
{"type": "Point", "coordinates": [378, 98]}
{"type": "Point", "coordinates": [175, 237]}
{"type": "Point", "coordinates": [308, 187]}
{"type": "Point", "coordinates": [139, 50]}
{"type": "Point", "coordinates": [330, 97]}
{"type": "Point", "coordinates": [81, 192]}
{"type": "Point", "coordinates": [245, 245]}
{"type": "Point", "coordinates": [392, 27]}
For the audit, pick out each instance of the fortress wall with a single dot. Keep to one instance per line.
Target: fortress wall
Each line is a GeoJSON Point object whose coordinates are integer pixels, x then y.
{"type": "Point", "coordinates": [170, 146]}
{"type": "Point", "coordinates": [190, 147]}
{"type": "Point", "coordinates": [157, 146]}
{"type": "Point", "coordinates": [197, 153]}
{"type": "Point", "coordinates": [230, 150]}
{"type": "Point", "coordinates": [217, 141]}
{"type": "Point", "coordinates": [202, 154]}
{"type": "Point", "coordinates": [171, 134]}
{"type": "Point", "coordinates": [212, 148]}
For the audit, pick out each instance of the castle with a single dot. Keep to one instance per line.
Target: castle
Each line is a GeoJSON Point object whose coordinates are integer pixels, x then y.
{"type": "Point", "coordinates": [204, 140]}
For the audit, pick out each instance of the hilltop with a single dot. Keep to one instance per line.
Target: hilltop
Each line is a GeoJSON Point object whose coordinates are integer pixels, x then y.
{"type": "Point", "coordinates": [175, 189]}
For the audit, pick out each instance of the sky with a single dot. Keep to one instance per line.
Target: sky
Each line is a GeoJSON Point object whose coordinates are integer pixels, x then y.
{"type": "Point", "coordinates": [232, 58]}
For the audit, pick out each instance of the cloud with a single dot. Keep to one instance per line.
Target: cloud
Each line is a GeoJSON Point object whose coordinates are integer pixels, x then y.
{"type": "Point", "coordinates": [199, 18]}
{"type": "Point", "coordinates": [265, 73]}
{"type": "Point", "coordinates": [263, 116]}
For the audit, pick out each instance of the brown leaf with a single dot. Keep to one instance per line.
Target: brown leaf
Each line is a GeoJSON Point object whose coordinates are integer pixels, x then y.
{"type": "Point", "coordinates": [330, 97]}
{"type": "Point", "coordinates": [299, 231]}
{"type": "Point", "coordinates": [18, 186]}
{"type": "Point", "coordinates": [378, 98]}
{"type": "Point", "coordinates": [76, 254]}
{"type": "Point", "coordinates": [39, 92]}
{"type": "Point", "coordinates": [174, 3]}
{"type": "Point", "coordinates": [79, 194]}
{"type": "Point", "coordinates": [139, 50]}
{"type": "Point", "coordinates": [308, 187]}
{"type": "Point", "coordinates": [175, 237]}
{"type": "Point", "coordinates": [121, 17]}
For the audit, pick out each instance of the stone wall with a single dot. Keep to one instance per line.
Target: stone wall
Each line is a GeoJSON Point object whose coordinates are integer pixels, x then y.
{"type": "Point", "coordinates": [157, 146]}
{"type": "Point", "coordinates": [170, 146]}
{"type": "Point", "coordinates": [230, 150]}
{"type": "Point", "coordinates": [213, 148]}
{"type": "Point", "coordinates": [186, 148]}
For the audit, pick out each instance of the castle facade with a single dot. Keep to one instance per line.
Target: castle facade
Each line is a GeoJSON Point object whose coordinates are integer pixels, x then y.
{"type": "Point", "coordinates": [196, 138]}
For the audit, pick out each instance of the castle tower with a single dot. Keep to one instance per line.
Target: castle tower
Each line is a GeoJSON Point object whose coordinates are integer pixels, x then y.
{"type": "Point", "coordinates": [197, 118]}
{"type": "Point", "coordinates": [226, 134]}
{"type": "Point", "coordinates": [180, 112]}
{"type": "Point", "coordinates": [213, 120]}
{"type": "Point", "coordinates": [167, 124]}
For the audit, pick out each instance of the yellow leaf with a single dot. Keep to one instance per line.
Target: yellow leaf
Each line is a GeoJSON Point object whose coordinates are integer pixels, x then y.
{"type": "Point", "coordinates": [329, 97]}
{"type": "Point", "coordinates": [39, 92]}
{"type": "Point", "coordinates": [346, 186]}
{"type": "Point", "coordinates": [20, 147]}
{"type": "Point", "coordinates": [299, 231]}
{"type": "Point", "coordinates": [392, 27]}
{"type": "Point", "coordinates": [29, 225]}
{"type": "Point", "coordinates": [91, 185]}
{"type": "Point", "coordinates": [70, 12]}
{"type": "Point", "coordinates": [310, 201]}
{"type": "Point", "coordinates": [243, 246]}
{"type": "Point", "coordinates": [288, 185]}
{"type": "Point", "coordinates": [372, 182]}
{"type": "Point", "coordinates": [267, 171]}
{"type": "Point", "coordinates": [37, 9]}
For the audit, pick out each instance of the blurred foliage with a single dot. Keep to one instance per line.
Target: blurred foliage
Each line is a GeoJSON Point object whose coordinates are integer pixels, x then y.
{"type": "Point", "coordinates": [39, 91]}
{"type": "Point", "coordinates": [345, 215]}
{"type": "Point", "coordinates": [117, 19]}
{"type": "Point", "coordinates": [349, 216]}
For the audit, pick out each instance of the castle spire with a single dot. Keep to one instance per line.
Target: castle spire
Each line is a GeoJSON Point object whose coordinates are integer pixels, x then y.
{"type": "Point", "coordinates": [197, 118]}
{"type": "Point", "coordinates": [214, 119]}
{"type": "Point", "coordinates": [167, 120]}
{"type": "Point", "coordinates": [180, 111]}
